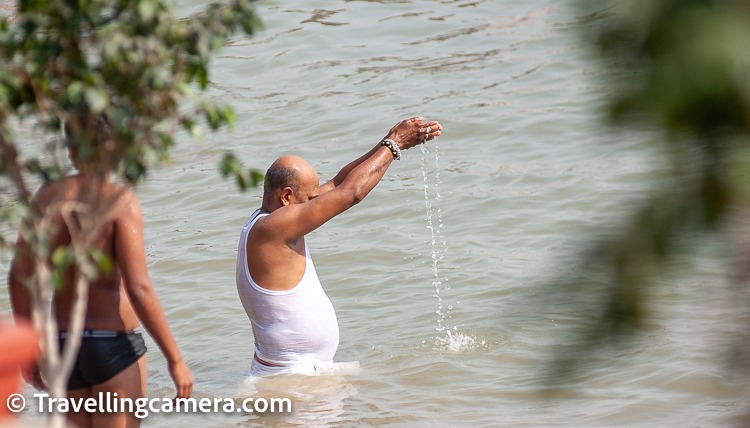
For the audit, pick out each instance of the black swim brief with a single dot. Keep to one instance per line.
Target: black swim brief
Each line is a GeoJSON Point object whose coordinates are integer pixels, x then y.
{"type": "Point", "coordinates": [104, 355]}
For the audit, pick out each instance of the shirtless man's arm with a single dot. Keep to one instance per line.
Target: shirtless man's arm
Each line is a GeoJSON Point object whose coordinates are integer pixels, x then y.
{"type": "Point", "coordinates": [20, 268]}
{"type": "Point", "coordinates": [131, 259]}
{"type": "Point", "coordinates": [21, 303]}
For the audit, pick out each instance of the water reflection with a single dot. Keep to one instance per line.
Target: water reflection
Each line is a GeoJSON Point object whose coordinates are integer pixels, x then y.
{"type": "Point", "coordinates": [317, 401]}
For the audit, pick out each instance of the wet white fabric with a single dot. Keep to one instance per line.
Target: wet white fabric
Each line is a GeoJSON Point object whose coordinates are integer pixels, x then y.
{"type": "Point", "coordinates": [292, 328]}
{"type": "Point", "coordinates": [302, 368]}
{"type": "Point", "coordinates": [341, 368]}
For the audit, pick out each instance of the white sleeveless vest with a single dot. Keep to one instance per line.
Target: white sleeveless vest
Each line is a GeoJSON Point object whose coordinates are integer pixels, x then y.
{"type": "Point", "coordinates": [291, 326]}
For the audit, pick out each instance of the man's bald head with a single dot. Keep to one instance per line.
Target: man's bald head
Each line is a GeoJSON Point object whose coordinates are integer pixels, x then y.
{"type": "Point", "coordinates": [287, 171]}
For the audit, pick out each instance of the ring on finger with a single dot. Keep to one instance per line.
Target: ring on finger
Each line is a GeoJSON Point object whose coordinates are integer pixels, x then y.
{"type": "Point", "coordinates": [428, 130]}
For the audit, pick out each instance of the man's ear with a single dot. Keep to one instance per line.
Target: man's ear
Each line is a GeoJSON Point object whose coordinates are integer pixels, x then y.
{"type": "Point", "coordinates": [286, 195]}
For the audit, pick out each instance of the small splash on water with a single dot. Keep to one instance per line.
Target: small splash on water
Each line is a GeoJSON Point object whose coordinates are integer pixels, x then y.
{"type": "Point", "coordinates": [458, 342]}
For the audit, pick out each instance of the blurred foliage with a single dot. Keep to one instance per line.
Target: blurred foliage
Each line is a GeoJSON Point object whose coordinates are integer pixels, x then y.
{"type": "Point", "coordinates": [246, 178]}
{"type": "Point", "coordinates": [685, 69]}
{"type": "Point", "coordinates": [110, 79]}
{"type": "Point", "coordinates": [113, 74]}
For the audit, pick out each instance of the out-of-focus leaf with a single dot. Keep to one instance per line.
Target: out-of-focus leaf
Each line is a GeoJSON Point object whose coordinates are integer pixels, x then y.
{"type": "Point", "coordinates": [96, 99]}
{"type": "Point", "coordinates": [687, 68]}
{"type": "Point", "coordinates": [123, 65]}
{"type": "Point", "coordinates": [62, 259]}
{"type": "Point", "coordinates": [48, 173]}
{"type": "Point", "coordinates": [246, 178]}
{"type": "Point", "coordinates": [101, 259]}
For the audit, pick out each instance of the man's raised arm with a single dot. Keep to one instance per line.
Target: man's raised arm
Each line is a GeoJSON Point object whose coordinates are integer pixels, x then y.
{"type": "Point", "coordinates": [435, 129]}
{"type": "Point", "coordinates": [296, 215]}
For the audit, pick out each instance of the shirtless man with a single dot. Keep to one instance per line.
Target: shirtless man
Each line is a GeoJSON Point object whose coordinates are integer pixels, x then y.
{"type": "Point", "coordinates": [293, 320]}
{"type": "Point", "coordinates": [112, 354]}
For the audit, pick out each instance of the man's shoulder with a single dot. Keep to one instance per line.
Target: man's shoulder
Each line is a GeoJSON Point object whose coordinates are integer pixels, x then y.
{"type": "Point", "coordinates": [122, 193]}
{"type": "Point", "coordinates": [124, 202]}
{"type": "Point", "coordinates": [108, 199]}
{"type": "Point", "coordinates": [72, 184]}
{"type": "Point", "coordinates": [265, 229]}
{"type": "Point", "coordinates": [258, 220]}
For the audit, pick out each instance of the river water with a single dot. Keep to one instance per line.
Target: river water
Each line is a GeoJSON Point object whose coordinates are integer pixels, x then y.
{"type": "Point", "coordinates": [529, 174]}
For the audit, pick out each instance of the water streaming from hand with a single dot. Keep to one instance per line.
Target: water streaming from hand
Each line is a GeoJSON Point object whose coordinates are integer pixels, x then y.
{"type": "Point", "coordinates": [453, 340]}
{"type": "Point", "coordinates": [435, 252]}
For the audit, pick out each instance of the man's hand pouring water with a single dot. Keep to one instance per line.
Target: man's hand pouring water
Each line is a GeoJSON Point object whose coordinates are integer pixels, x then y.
{"type": "Point", "coordinates": [411, 132]}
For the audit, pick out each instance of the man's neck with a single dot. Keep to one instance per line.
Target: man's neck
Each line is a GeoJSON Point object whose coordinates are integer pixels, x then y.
{"type": "Point", "coordinates": [93, 177]}
{"type": "Point", "coordinates": [268, 208]}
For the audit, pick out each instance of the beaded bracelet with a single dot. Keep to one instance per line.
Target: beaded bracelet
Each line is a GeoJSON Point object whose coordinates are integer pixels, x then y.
{"type": "Point", "coordinates": [393, 147]}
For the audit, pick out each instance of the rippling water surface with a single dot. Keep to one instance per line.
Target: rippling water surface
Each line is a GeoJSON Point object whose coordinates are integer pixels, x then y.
{"type": "Point", "coordinates": [529, 174]}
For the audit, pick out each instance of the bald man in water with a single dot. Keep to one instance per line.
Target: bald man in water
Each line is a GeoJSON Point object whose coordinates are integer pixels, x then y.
{"type": "Point", "coordinates": [293, 320]}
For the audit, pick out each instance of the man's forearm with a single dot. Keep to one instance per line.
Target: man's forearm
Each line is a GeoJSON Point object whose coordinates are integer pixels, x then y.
{"type": "Point", "coordinates": [341, 176]}
{"type": "Point", "coordinates": [19, 299]}
{"type": "Point", "coordinates": [151, 314]}
{"type": "Point", "coordinates": [20, 271]}
{"type": "Point", "coordinates": [365, 176]}
{"type": "Point", "coordinates": [405, 134]}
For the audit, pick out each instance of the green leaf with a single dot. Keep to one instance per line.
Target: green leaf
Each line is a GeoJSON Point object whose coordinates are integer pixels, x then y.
{"type": "Point", "coordinates": [96, 99]}
{"type": "Point", "coordinates": [101, 259]}
{"type": "Point", "coordinates": [74, 91]}
{"type": "Point", "coordinates": [185, 89]}
{"type": "Point", "coordinates": [228, 115]}
{"type": "Point", "coordinates": [62, 257]}
{"type": "Point", "coordinates": [213, 116]}
{"type": "Point", "coordinates": [245, 178]}
{"type": "Point", "coordinates": [192, 127]}
{"type": "Point", "coordinates": [257, 177]}
{"type": "Point", "coordinates": [202, 76]}
{"type": "Point", "coordinates": [146, 9]}
{"type": "Point", "coordinates": [47, 173]}
{"type": "Point", "coordinates": [229, 164]}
